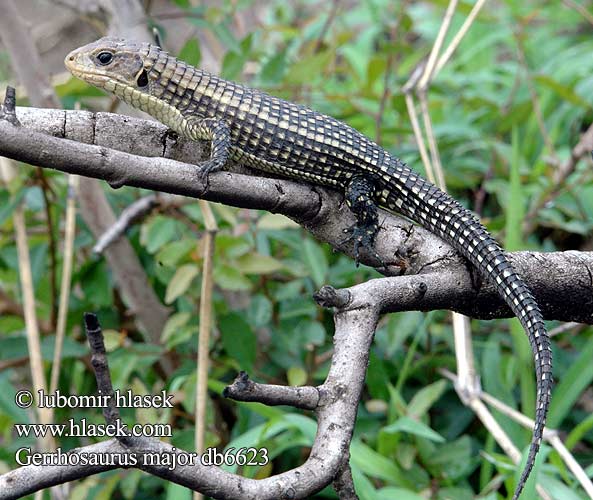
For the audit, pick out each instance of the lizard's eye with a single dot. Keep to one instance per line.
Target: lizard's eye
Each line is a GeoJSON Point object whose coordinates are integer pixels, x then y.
{"type": "Point", "coordinates": [105, 58]}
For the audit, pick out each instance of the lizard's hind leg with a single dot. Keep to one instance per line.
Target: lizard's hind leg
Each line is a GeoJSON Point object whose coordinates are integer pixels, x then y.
{"type": "Point", "coordinates": [360, 197]}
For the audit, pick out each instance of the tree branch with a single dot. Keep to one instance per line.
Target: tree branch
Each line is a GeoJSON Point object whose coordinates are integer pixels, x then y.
{"type": "Point", "coordinates": [244, 389]}
{"type": "Point", "coordinates": [336, 414]}
{"type": "Point", "coordinates": [562, 283]}
{"type": "Point", "coordinates": [559, 280]}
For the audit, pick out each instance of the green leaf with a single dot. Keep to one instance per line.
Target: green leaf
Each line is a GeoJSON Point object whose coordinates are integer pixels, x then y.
{"type": "Point", "coordinates": [39, 262]}
{"type": "Point", "coordinates": [304, 69]}
{"type": "Point", "coordinates": [177, 492]}
{"type": "Point", "coordinates": [230, 278]}
{"type": "Point", "coordinates": [95, 282]}
{"type": "Point", "coordinates": [376, 465]}
{"type": "Point", "coordinates": [8, 408]}
{"type": "Point", "coordinates": [454, 460]}
{"type": "Point", "coordinates": [130, 482]}
{"type": "Point", "coordinates": [456, 493]}
{"type": "Point", "coordinates": [235, 59]}
{"type": "Point", "coordinates": [70, 348]}
{"type": "Point", "coordinates": [410, 356]}
{"type": "Point", "coordinates": [8, 203]}
{"type": "Point", "coordinates": [311, 332]}
{"type": "Point", "coordinates": [181, 281]}
{"type": "Point", "coordinates": [515, 210]}
{"type": "Point", "coordinates": [254, 263]}
{"type": "Point", "coordinates": [296, 375]}
{"type": "Point", "coordinates": [425, 398]}
{"type": "Point", "coordinates": [257, 436]}
{"type": "Point", "coordinates": [579, 432]}
{"type": "Point", "coordinates": [75, 87]}
{"type": "Point", "coordinates": [238, 340]}
{"type": "Point", "coordinates": [225, 35]}
{"type": "Point", "coordinates": [232, 246]}
{"type": "Point", "coordinates": [190, 53]}
{"type": "Point", "coordinates": [171, 253]}
{"type": "Point", "coordinates": [260, 310]}
{"type": "Point", "coordinates": [274, 68]}
{"type": "Point", "coordinates": [563, 91]}
{"type": "Point", "coordinates": [34, 198]}
{"type": "Point", "coordinates": [557, 489]}
{"type": "Point", "coordinates": [377, 377]}
{"type": "Point", "coordinates": [573, 382]}
{"type": "Point", "coordinates": [106, 487]}
{"type": "Point", "coordinates": [315, 259]}
{"type": "Point", "coordinates": [158, 231]}
{"type": "Point", "coordinates": [392, 492]}
{"type": "Point", "coordinates": [174, 323]}
{"type": "Point", "coordinates": [410, 426]}
{"type": "Point", "coordinates": [275, 221]}
{"type": "Point", "coordinates": [363, 486]}
{"type": "Point", "coordinates": [111, 339]}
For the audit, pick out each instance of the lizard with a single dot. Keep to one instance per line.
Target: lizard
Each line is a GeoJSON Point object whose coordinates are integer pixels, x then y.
{"type": "Point", "coordinates": [280, 137]}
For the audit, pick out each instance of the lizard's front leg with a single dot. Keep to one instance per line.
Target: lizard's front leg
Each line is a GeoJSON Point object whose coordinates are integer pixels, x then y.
{"type": "Point", "coordinates": [218, 133]}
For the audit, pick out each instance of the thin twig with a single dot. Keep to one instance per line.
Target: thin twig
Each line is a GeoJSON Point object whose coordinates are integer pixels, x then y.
{"type": "Point", "coordinates": [566, 327]}
{"type": "Point", "coordinates": [384, 96]}
{"type": "Point", "coordinates": [128, 216]}
{"type": "Point", "coordinates": [418, 137]}
{"type": "Point", "coordinates": [535, 102]}
{"type": "Point", "coordinates": [393, 33]}
{"type": "Point", "coordinates": [53, 261]}
{"type": "Point", "coordinates": [344, 483]}
{"type": "Point", "coordinates": [204, 329]}
{"type": "Point", "coordinates": [100, 365]}
{"type": "Point", "coordinates": [580, 151]}
{"type": "Point", "coordinates": [471, 17]}
{"type": "Point", "coordinates": [580, 9]}
{"type": "Point", "coordinates": [432, 142]}
{"type": "Point", "coordinates": [245, 389]}
{"type": "Point", "coordinates": [436, 48]}
{"type": "Point", "coordinates": [572, 464]}
{"type": "Point", "coordinates": [468, 379]}
{"type": "Point", "coordinates": [7, 173]}
{"type": "Point", "coordinates": [67, 259]}
{"type": "Point", "coordinates": [550, 435]}
{"type": "Point", "coordinates": [328, 22]}
{"type": "Point", "coordinates": [472, 400]}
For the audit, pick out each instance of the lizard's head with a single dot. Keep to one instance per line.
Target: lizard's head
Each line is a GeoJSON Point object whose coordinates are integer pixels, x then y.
{"type": "Point", "coordinates": [141, 74]}
{"type": "Point", "coordinates": [113, 64]}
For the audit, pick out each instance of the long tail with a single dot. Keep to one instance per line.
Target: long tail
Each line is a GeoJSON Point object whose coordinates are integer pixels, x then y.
{"type": "Point", "coordinates": [425, 204]}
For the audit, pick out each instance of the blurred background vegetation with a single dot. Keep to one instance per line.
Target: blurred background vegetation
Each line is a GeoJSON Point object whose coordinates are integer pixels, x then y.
{"type": "Point", "coordinates": [516, 92]}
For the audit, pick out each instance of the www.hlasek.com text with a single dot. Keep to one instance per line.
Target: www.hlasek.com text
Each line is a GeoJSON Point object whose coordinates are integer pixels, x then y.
{"type": "Point", "coordinates": [84, 428]}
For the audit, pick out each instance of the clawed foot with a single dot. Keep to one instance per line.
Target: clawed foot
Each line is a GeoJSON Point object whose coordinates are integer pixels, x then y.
{"type": "Point", "coordinates": [204, 171]}
{"type": "Point", "coordinates": [363, 238]}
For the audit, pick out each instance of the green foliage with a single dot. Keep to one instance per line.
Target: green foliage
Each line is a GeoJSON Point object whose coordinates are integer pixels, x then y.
{"type": "Point", "coordinates": [414, 439]}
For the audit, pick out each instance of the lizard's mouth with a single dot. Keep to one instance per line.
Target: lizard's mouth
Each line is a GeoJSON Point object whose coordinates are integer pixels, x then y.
{"type": "Point", "coordinates": [89, 76]}
{"type": "Point", "coordinates": [84, 71]}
